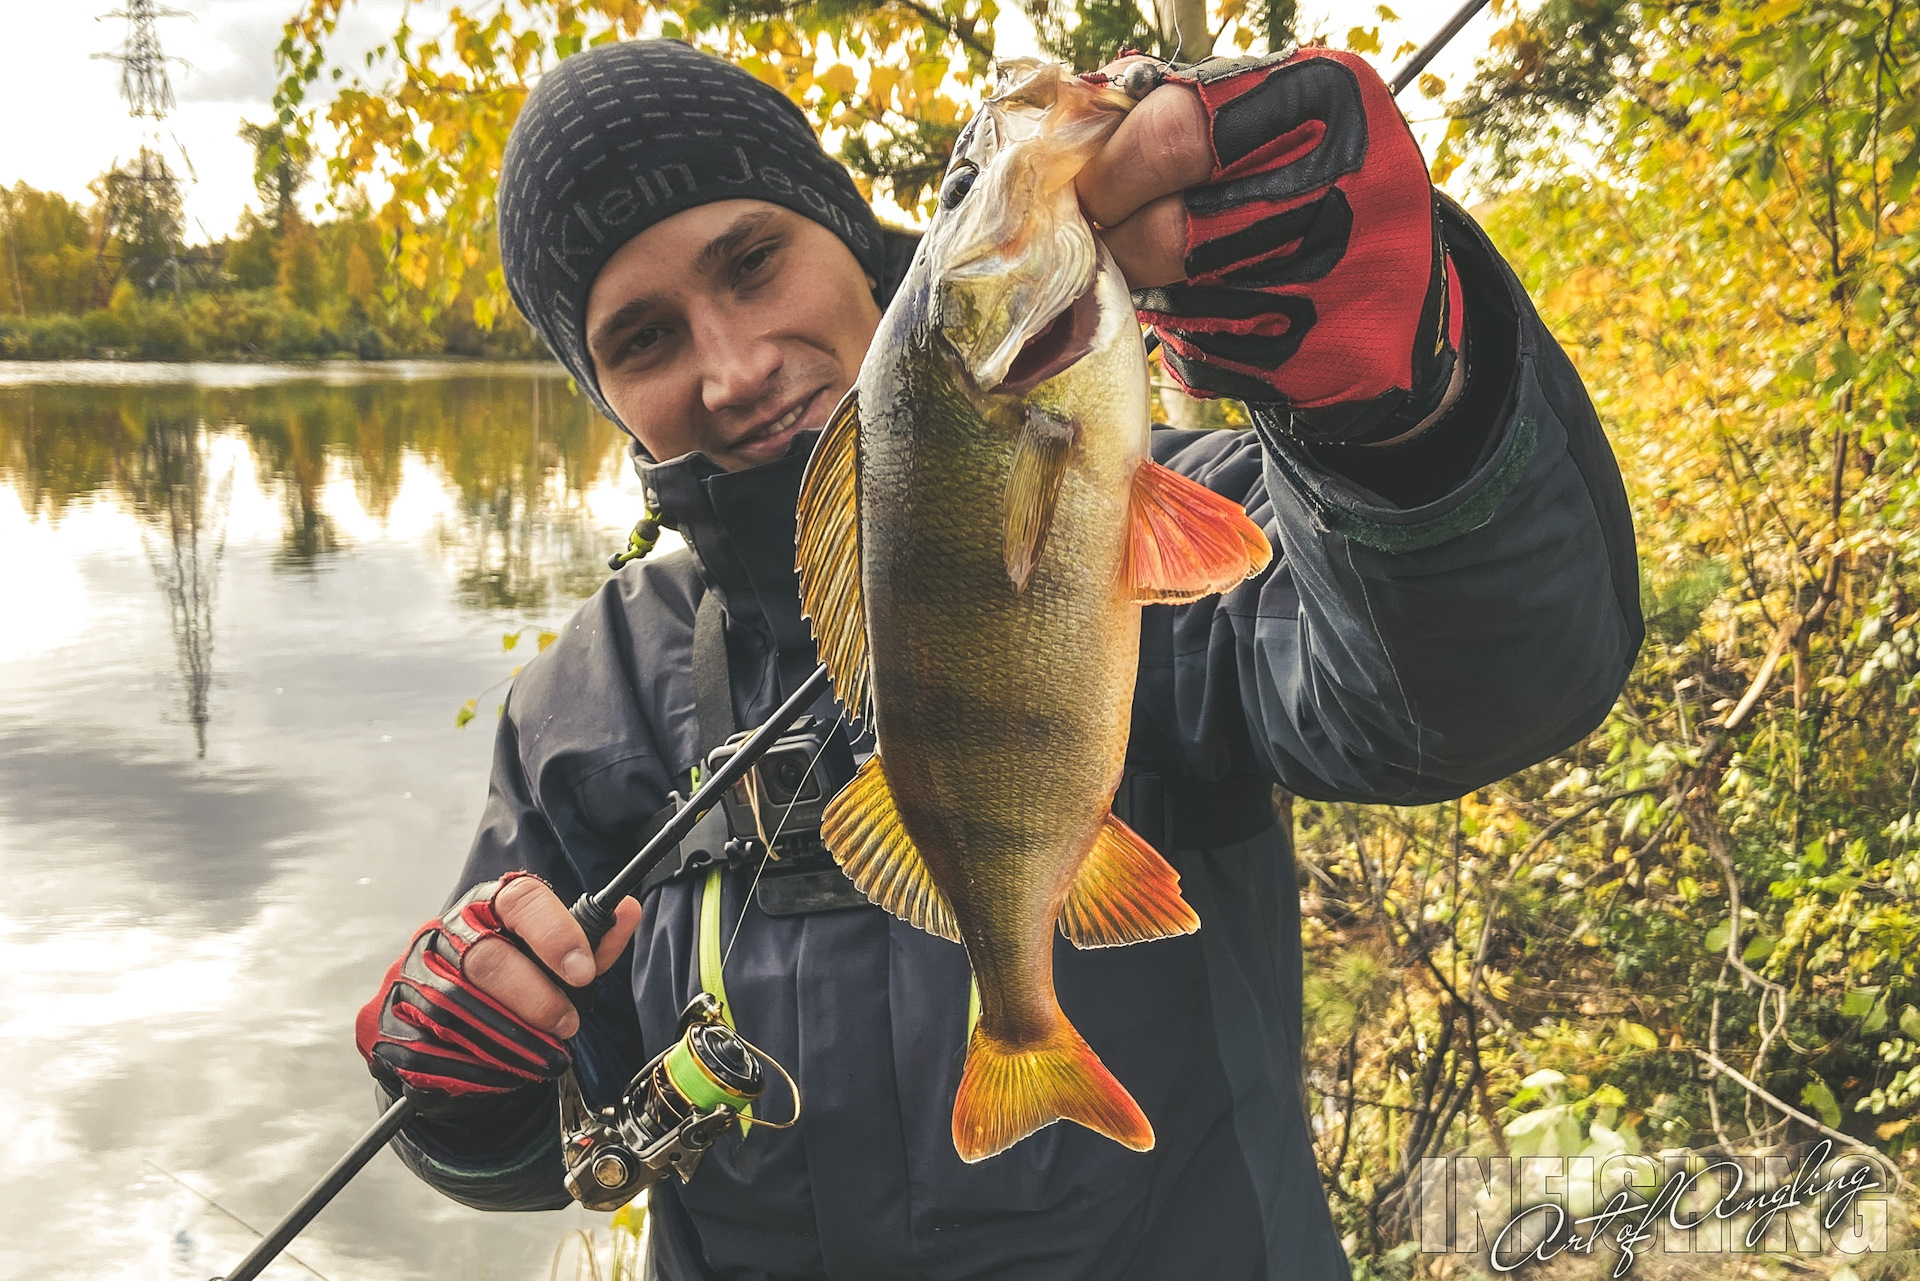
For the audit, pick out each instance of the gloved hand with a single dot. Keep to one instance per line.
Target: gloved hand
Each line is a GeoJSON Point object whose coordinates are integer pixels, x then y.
{"type": "Point", "coordinates": [1277, 222]}
{"type": "Point", "coordinates": [464, 1012]}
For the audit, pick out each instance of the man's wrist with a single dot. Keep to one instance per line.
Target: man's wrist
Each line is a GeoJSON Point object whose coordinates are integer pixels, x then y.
{"type": "Point", "coordinates": [1456, 387]}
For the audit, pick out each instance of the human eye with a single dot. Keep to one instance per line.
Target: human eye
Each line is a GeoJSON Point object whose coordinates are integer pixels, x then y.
{"type": "Point", "coordinates": [643, 340]}
{"type": "Point", "coordinates": [757, 263]}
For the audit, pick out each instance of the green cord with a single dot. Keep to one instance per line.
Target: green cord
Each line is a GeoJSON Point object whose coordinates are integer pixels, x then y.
{"type": "Point", "coordinates": [643, 539]}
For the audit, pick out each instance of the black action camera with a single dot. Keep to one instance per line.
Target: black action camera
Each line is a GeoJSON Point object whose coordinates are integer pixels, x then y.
{"type": "Point", "coordinates": [790, 786]}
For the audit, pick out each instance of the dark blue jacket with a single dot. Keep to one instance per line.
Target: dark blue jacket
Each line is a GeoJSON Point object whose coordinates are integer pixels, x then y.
{"type": "Point", "coordinates": [1400, 650]}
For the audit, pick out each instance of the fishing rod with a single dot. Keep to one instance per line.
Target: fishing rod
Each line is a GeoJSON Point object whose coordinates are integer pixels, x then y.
{"type": "Point", "coordinates": [1402, 78]}
{"type": "Point", "coordinates": [703, 1047]}
{"type": "Point", "coordinates": [1431, 49]}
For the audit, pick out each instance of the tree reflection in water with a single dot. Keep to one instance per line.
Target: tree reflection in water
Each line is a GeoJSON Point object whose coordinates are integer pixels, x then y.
{"type": "Point", "coordinates": [519, 450]}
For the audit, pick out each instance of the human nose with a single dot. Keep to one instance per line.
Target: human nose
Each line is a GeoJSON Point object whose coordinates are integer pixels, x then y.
{"type": "Point", "coordinates": [738, 364]}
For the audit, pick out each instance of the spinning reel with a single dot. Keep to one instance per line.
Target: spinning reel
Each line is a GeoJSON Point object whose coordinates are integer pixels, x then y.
{"type": "Point", "coordinates": [670, 1114]}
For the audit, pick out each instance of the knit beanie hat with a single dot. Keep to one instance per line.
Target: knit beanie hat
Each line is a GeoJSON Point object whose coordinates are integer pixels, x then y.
{"type": "Point", "coordinates": [621, 136]}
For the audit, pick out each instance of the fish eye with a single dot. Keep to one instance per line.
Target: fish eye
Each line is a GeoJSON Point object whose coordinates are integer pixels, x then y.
{"type": "Point", "coordinates": [958, 184]}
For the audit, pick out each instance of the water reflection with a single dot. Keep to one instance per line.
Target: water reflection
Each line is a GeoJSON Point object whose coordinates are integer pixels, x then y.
{"type": "Point", "coordinates": [519, 451]}
{"type": "Point", "coordinates": [239, 617]}
{"type": "Point", "coordinates": [183, 527]}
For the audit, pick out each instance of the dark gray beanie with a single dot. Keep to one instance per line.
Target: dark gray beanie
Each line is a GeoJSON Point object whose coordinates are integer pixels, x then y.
{"type": "Point", "coordinates": [618, 137]}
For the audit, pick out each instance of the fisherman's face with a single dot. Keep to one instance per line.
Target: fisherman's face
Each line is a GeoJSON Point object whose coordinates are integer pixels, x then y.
{"type": "Point", "coordinates": [729, 328]}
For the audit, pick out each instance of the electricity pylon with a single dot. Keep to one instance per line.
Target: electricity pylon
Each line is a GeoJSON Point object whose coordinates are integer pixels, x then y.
{"type": "Point", "coordinates": [144, 198]}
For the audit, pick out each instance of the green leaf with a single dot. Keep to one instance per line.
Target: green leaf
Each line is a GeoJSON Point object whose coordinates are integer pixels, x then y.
{"type": "Point", "coordinates": [1759, 948]}
{"type": "Point", "coordinates": [1866, 305]}
{"type": "Point", "coordinates": [1910, 1021]}
{"type": "Point", "coordinates": [509, 640]}
{"type": "Point", "coordinates": [1717, 937]}
{"type": "Point", "coordinates": [1858, 1002]}
{"type": "Point", "coordinates": [465, 715]}
{"type": "Point", "coordinates": [1819, 1096]}
{"type": "Point", "coordinates": [1640, 1035]}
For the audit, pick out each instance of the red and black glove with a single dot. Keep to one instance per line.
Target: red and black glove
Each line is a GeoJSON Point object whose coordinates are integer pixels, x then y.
{"type": "Point", "coordinates": [430, 1029]}
{"type": "Point", "coordinates": [1316, 276]}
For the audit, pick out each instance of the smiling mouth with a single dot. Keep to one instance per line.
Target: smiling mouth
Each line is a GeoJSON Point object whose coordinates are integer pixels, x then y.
{"type": "Point", "coordinates": [1059, 346]}
{"type": "Point", "coordinates": [777, 427]}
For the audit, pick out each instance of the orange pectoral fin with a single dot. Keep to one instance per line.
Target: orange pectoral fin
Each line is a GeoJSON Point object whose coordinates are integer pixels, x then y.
{"type": "Point", "coordinates": [1184, 541]}
{"type": "Point", "coordinates": [1124, 893]}
{"type": "Point", "coordinates": [1007, 1092]}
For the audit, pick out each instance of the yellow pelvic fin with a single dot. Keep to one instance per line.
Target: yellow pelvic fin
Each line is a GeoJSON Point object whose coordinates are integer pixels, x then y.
{"type": "Point", "coordinates": [1033, 486]}
{"type": "Point", "coordinates": [863, 829]}
{"type": "Point", "coordinates": [828, 556]}
{"type": "Point", "coordinates": [1184, 541]}
{"type": "Point", "coordinates": [1125, 893]}
{"type": "Point", "coordinates": [1009, 1091]}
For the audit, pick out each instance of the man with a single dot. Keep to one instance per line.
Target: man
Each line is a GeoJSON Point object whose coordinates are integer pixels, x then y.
{"type": "Point", "coordinates": [1454, 598]}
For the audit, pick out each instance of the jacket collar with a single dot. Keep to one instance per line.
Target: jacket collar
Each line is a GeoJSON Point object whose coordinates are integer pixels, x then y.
{"type": "Point", "coordinates": [740, 526]}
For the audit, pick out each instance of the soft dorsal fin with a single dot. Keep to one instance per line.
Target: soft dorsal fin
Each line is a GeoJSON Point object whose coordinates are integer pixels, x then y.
{"type": "Point", "coordinates": [863, 829]}
{"type": "Point", "coordinates": [1125, 893]}
{"type": "Point", "coordinates": [828, 555]}
{"type": "Point", "coordinates": [1184, 541]}
{"type": "Point", "coordinates": [1033, 486]}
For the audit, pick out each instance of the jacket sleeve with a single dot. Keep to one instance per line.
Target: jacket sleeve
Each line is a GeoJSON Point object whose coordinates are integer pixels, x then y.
{"type": "Point", "coordinates": [578, 774]}
{"type": "Point", "coordinates": [1405, 654]}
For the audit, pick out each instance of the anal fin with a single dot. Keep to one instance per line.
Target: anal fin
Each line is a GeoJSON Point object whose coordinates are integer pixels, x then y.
{"type": "Point", "coordinates": [1184, 541]}
{"type": "Point", "coordinates": [828, 556]}
{"type": "Point", "coordinates": [863, 829]}
{"type": "Point", "coordinates": [1125, 893]}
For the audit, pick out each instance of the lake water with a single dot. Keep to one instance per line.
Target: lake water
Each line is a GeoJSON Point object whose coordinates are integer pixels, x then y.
{"type": "Point", "coordinates": [240, 609]}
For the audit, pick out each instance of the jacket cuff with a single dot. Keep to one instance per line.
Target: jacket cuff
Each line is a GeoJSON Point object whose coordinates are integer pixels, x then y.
{"type": "Point", "coordinates": [1453, 476]}
{"type": "Point", "coordinates": [499, 1152]}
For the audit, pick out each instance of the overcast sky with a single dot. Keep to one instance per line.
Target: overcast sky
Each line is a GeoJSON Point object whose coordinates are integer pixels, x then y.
{"type": "Point", "coordinates": [65, 121]}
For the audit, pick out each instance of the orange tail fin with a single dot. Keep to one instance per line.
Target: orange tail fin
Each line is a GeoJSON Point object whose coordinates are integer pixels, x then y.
{"type": "Point", "coordinates": [1007, 1092]}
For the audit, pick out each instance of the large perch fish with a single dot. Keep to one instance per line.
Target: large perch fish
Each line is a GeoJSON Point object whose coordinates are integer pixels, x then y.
{"type": "Point", "coordinates": [979, 527]}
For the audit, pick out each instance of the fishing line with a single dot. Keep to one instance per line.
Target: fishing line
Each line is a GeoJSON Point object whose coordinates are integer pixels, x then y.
{"type": "Point", "coordinates": [839, 722]}
{"type": "Point", "coordinates": [159, 1169]}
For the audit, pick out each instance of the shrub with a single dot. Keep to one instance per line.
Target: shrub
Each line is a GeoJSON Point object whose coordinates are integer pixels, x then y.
{"type": "Point", "coordinates": [104, 329]}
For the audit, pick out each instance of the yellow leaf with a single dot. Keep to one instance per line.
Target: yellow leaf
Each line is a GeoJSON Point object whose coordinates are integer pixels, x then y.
{"type": "Point", "coordinates": [547, 638]}
{"type": "Point", "coordinates": [839, 78]}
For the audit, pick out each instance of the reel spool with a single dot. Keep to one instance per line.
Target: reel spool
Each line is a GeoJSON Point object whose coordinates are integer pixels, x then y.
{"type": "Point", "coordinates": [670, 1114]}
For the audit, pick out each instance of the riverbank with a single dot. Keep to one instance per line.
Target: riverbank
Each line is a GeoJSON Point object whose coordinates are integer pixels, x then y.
{"type": "Point", "coordinates": [336, 371]}
{"type": "Point", "coordinates": [256, 324]}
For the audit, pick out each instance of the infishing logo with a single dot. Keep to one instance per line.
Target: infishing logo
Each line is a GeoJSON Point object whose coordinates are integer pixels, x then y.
{"type": "Point", "coordinates": [1518, 1211]}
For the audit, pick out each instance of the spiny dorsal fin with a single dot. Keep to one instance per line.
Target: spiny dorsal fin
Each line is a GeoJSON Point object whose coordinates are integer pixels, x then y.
{"type": "Point", "coordinates": [828, 555]}
{"type": "Point", "coordinates": [1184, 541]}
{"type": "Point", "coordinates": [863, 829]}
{"type": "Point", "coordinates": [1125, 893]}
{"type": "Point", "coordinates": [1033, 485]}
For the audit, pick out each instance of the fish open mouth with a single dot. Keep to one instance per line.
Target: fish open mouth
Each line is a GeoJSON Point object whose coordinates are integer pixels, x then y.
{"type": "Point", "coordinates": [1055, 349]}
